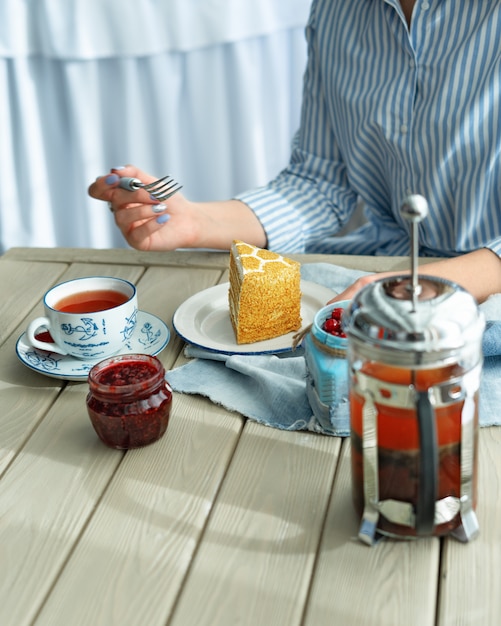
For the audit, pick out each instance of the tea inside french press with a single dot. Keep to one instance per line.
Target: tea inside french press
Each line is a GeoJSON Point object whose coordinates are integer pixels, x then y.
{"type": "Point", "coordinates": [415, 359]}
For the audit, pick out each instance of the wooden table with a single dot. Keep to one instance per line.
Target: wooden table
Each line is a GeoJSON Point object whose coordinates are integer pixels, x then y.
{"type": "Point", "coordinates": [223, 521]}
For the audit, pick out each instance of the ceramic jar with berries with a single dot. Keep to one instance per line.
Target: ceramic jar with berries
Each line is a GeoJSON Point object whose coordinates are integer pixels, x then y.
{"type": "Point", "coordinates": [326, 369]}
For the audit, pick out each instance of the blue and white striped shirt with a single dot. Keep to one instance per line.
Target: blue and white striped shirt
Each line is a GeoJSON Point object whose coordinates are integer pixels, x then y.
{"type": "Point", "coordinates": [388, 112]}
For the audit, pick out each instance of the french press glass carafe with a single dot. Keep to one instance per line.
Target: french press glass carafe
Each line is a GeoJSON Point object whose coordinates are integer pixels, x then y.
{"type": "Point", "coordinates": [415, 359]}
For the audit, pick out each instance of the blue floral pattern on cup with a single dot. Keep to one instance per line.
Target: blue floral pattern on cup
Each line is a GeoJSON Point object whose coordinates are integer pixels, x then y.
{"type": "Point", "coordinates": [146, 334]}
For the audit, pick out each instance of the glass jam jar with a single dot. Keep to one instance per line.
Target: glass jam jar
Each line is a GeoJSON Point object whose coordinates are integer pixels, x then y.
{"type": "Point", "coordinates": [129, 400]}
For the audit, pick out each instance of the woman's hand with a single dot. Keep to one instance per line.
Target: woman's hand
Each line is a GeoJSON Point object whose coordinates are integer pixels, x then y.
{"type": "Point", "coordinates": [147, 224]}
{"type": "Point", "coordinates": [360, 283]}
{"type": "Point", "coordinates": [141, 218]}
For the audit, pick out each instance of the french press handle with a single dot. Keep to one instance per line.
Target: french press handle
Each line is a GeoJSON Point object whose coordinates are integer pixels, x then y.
{"type": "Point", "coordinates": [428, 465]}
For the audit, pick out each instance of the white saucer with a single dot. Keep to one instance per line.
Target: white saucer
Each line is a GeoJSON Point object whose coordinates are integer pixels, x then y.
{"type": "Point", "coordinates": [204, 320]}
{"type": "Point", "coordinates": [150, 337]}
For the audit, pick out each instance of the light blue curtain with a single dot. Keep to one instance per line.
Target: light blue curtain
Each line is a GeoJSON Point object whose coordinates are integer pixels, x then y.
{"type": "Point", "coordinates": [207, 91]}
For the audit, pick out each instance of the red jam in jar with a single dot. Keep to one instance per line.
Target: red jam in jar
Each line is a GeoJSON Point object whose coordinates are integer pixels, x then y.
{"type": "Point", "coordinates": [129, 400]}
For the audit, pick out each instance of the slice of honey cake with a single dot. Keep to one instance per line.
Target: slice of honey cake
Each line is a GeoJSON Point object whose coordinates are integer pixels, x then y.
{"type": "Point", "coordinates": [264, 294]}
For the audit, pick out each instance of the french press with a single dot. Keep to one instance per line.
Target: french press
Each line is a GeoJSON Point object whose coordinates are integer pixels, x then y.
{"type": "Point", "coordinates": [415, 359]}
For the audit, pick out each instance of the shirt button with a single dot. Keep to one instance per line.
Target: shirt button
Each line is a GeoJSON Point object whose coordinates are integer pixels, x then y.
{"type": "Point", "coordinates": [412, 65]}
{"type": "Point", "coordinates": [425, 6]}
{"type": "Point", "coordinates": [403, 129]}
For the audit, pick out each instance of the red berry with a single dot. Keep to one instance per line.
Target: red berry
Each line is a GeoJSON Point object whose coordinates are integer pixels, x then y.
{"type": "Point", "coordinates": [337, 313]}
{"type": "Point", "coordinates": [332, 324]}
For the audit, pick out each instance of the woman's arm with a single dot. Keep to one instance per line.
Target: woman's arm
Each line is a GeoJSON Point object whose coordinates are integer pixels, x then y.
{"type": "Point", "coordinates": [478, 272]}
{"type": "Point", "coordinates": [179, 223]}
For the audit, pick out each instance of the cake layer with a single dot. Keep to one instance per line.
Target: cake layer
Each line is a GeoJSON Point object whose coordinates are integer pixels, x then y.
{"type": "Point", "coordinates": [264, 294]}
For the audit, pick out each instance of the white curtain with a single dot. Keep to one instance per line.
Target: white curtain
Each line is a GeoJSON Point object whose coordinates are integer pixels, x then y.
{"type": "Point", "coordinates": [207, 91]}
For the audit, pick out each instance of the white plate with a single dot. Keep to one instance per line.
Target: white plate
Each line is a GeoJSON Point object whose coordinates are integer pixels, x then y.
{"type": "Point", "coordinates": [204, 320]}
{"type": "Point", "coordinates": [150, 337]}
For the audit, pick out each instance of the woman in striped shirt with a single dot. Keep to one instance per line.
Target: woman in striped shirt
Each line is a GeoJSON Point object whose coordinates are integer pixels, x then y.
{"type": "Point", "coordinates": [399, 98]}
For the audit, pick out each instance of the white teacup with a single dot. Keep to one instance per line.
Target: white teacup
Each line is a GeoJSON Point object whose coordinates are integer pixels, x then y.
{"type": "Point", "coordinates": [76, 324]}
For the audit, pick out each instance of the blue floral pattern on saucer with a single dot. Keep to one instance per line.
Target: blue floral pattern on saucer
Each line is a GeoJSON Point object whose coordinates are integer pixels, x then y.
{"type": "Point", "coordinates": [150, 336]}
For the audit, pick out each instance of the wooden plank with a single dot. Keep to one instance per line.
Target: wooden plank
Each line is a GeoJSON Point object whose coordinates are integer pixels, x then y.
{"type": "Point", "coordinates": [258, 552]}
{"type": "Point", "coordinates": [46, 496]}
{"type": "Point", "coordinates": [89, 535]}
{"type": "Point", "coordinates": [121, 256]}
{"type": "Point", "coordinates": [196, 258]}
{"type": "Point", "coordinates": [53, 485]}
{"type": "Point", "coordinates": [390, 584]}
{"type": "Point", "coordinates": [470, 582]}
{"type": "Point", "coordinates": [48, 460]}
{"type": "Point", "coordinates": [97, 268]}
{"type": "Point", "coordinates": [131, 561]}
{"type": "Point", "coordinates": [26, 395]}
{"type": "Point", "coordinates": [22, 285]}
{"type": "Point", "coordinates": [158, 293]}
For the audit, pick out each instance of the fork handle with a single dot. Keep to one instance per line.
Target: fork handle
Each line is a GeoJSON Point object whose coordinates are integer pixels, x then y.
{"type": "Point", "coordinates": [131, 184]}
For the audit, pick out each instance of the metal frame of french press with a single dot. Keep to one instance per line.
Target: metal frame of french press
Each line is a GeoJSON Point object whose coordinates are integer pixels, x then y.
{"type": "Point", "coordinates": [429, 511]}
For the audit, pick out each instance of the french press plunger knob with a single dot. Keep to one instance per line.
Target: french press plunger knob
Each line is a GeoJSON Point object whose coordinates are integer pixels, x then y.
{"type": "Point", "coordinates": [414, 209]}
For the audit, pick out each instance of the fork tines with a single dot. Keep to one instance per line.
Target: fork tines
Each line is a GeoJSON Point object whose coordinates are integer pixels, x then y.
{"type": "Point", "coordinates": [160, 189]}
{"type": "Point", "coordinates": [163, 188]}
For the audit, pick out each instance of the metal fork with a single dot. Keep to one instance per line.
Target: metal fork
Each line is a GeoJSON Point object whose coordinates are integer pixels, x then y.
{"type": "Point", "coordinates": [160, 189]}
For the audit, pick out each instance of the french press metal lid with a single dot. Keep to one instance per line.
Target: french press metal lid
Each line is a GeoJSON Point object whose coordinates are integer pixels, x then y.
{"type": "Point", "coordinates": [417, 322]}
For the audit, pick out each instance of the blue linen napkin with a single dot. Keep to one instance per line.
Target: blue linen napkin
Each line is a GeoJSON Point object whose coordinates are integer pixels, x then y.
{"type": "Point", "coordinates": [271, 389]}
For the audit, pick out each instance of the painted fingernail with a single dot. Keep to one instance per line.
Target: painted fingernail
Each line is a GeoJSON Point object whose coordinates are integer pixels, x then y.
{"type": "Point", "coordinates": [118, 167]}
{"type": "Point", "coordinates": [111, 179]}
{"type": "Point", "coordinates": [158, 208]}
{"type": "Point", "coordinates": [161, 219]}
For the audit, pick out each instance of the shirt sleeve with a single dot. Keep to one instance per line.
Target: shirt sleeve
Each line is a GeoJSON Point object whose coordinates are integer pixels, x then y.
{"type": "Point", "coordinates": [310, 199]}
{"type": "Point", "coordinates": [495, 246]}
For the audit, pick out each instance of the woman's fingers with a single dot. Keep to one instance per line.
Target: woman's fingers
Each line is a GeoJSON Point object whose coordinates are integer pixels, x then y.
{"type": "Point", "coordinates": [106, 187]}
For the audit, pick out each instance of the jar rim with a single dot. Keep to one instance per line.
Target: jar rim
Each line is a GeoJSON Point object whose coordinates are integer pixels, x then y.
{"type": "Point", "coordinates": [321, 335]}
{"type": "Point", "coordinates": [129, 389]}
